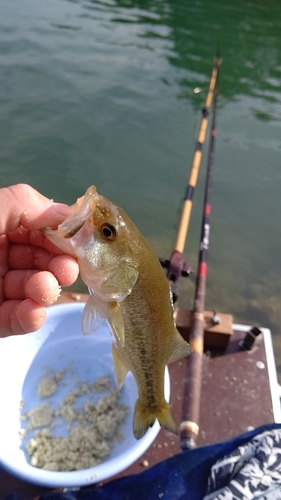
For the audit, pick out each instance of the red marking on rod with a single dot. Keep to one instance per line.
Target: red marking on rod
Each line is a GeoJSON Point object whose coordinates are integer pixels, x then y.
{"type": "Point", "coordinates": [202, 269]}
{"type": "Point", "coordinates": [208, 209]}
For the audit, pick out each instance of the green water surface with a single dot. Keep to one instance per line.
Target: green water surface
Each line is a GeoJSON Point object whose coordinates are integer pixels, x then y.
{"type": "Point", "coordinates": [102, 92]}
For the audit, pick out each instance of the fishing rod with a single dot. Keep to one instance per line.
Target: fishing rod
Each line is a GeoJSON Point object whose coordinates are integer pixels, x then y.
{"type": "Point", "coordinates": [176, 266]}
{"type": "Point", "coordinates": [189, 428]}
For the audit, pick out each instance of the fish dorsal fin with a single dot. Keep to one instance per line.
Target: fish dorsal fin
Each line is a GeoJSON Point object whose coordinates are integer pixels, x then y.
{"type": "Point", "coordinates": [181, 348]}
{"type": "Point", "coordinates": [120, 369]}
{"type": "Point", "coordinates": [92, 316]}
{"type": "Point", "coordinates": [115, 321]}
{"type": "Point", "coordinates": [117, 285]}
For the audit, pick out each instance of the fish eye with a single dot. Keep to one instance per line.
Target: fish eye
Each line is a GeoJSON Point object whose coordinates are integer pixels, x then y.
{"type": "Point", "coordinates": [108, 232]}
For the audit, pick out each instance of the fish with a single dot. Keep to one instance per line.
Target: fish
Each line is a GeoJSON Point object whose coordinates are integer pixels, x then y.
{"type": "Point", "coordinates": [129, 290]}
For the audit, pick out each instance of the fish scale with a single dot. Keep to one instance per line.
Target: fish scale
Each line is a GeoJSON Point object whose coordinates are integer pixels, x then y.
{"type": "Point", "coordinates": [130, 291]}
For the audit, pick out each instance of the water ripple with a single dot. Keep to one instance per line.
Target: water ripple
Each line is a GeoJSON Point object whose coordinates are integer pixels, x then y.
{"type": "Point", "coordinates": [103, 91]}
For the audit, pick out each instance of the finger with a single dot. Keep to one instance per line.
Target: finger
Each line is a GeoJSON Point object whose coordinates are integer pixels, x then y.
{"type": "Point", "coordinates": [7, 314]}
{"type": "Point", "coordinates": [24, 236]}
{"type": "Point", "coordinates": [28, 257]}
{"type": "Point", "coordinates": [21, 235]}
{"type": "Point", "coordinates": [4, 261]}
{"type": "Point", "coordinates": [35, 238]}
{"type": "Point", "coordinates": [30, 316]}
{"type": "Point", "coordinates": [2, 295]}
{"type": "Point", "coordinates": [23, 205]}
{"type": "Point", "coordinates": [41, 286]}
{"type": "Point", "coordinates": [18, 317]}
{"type": "Point", "coordinates": [65, 269]}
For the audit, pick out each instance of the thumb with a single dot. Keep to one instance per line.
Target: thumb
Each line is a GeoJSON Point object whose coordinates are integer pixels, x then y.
{"type": "Point", "coordinates": [23, 205]}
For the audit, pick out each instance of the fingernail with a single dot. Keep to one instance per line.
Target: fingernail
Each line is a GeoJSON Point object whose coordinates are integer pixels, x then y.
{"type": "Point", "coordinates": [61, 209]}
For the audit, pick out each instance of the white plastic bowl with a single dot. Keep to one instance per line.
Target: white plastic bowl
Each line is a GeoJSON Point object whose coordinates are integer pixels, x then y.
{"type": "Point", "coordinates": [60, 344]}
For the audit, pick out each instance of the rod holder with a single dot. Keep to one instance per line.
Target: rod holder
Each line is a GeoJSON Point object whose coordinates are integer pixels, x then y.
{"type": "Point", "coordinates": [176, 267]}
{"type": "Point", "coordinates": [251, 339]}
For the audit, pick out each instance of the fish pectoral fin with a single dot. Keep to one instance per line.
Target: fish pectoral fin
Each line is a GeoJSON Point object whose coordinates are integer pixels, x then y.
{"type": "Point", "coordinates": [120, 369]}
{"type": "Point", "coordinates": [119, 283]}
{"type": "Point", "coordinates": [96, 311]}
{"type": "Point", "coordinates": [143, 419]}
{"type": "Point", "coordinates": [92, 316]}
{"type": "Point", "coordinates": [181, 348]}
{"type": "Point", "coordinates": [115, 321]}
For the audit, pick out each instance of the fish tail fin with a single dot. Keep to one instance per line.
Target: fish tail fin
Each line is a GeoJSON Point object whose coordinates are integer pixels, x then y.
{"type": "Point", "coordinates": [143, 419]}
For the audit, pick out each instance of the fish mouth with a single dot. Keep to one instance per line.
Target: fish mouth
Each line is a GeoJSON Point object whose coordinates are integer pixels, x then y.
{"type": "Point", "coordinates": [82, 211]}
{"type": "Point", "coordinates": [74, 230]}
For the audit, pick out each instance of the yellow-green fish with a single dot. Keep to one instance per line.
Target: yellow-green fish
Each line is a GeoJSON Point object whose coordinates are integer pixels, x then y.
{"type": "Point", "coordinates": [128, 289]}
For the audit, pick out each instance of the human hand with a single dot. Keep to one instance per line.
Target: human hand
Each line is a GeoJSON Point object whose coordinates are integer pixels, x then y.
{"type": "Point", "coordinates": [31, 268]}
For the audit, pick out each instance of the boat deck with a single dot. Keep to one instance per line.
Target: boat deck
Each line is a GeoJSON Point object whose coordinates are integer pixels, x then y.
{"type": "Point", "coordinates": [239, 392]}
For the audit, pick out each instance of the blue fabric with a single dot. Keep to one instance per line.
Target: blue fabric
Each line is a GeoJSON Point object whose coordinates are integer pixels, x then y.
{"type": "Point", "coordinates": [182, 477]}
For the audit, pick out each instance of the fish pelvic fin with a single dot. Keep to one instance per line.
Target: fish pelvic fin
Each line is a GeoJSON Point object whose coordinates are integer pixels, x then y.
{"type": "Point", "coordinates": [181, 348]}
{"type": "Point", "coordinates": [143, 419]}
{"type": "Point", "coordinates": [120, 369]}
